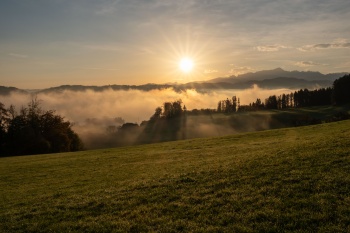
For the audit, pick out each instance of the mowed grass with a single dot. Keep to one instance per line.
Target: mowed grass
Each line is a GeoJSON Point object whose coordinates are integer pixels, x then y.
{"type": "Point", "coordinates": [285, 180]}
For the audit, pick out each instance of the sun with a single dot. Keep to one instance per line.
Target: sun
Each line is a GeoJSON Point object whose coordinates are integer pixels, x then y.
{"type": "Point", "coordinates": [186, 65]}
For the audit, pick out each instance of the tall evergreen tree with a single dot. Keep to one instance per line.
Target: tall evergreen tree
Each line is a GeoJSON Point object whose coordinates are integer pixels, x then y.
{"type": "Point", "coordinates": [341, 93]}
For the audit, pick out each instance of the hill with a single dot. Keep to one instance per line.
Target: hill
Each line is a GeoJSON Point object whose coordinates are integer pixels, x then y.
{"type": "Point", "coordinates": [8, 90]}
{"type": "Point", "coordinates": [278, 73]}
{"type": "Point", "coordinates": [285, 180]}
{"type": "Point", "coordinates": [269, 79]}
{"type": "Point", "coordinates": [279, 78]}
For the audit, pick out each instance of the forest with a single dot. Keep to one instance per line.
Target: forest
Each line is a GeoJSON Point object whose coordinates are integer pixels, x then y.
{"type": "Point", "coordinates": [32, 130]}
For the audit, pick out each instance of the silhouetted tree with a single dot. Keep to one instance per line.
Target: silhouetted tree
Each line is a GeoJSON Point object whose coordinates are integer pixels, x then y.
{"type": "Point", "coordinates": [228, 105]}
{"type": "Point", "coordinates": [271, 102]}
{"type": "Point", "coordinates": [172, 109]}
{"type": "Point", "coordinates": [219, 109]}
{"type": "Point", "coordinates": [177, 108]}
{"type": "Point", "coordinates": [234, 104]}
{"type": "Point", "coordinates": [341, 93]}
{"type": "Point", "coordinates": [157, 114]}
{"type": "Point", "coordinates": [283, 101]}
{"type": "Point", "coordinates": [128, 126]}
{"type": "Point", "coordinates": [4, 119]}
{"type": "Point", "coordinates": [35, 131]}
{"type": "Point", "coordinates": [306, 98]}
{"type": "Point", "coordinates": [259, 104]}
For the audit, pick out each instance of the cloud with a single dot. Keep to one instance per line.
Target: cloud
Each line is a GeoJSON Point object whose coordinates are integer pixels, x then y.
{"type": "Point", "coordinates": [17, 55]}
{"type": "Point", "coordinates": [270, 48]}
{"type": "Point", "coordinates": [146, 50]}
{"type": "Point", "coordinates": [343, 65]}
{"type": "Point", "coordinates": [209, 71]}
{"type": "Point", "coordinates": [106, 9]}
{"type": "Point", "coordinates": [132, 105]}
{"type": "Point", "coordinates": [308, 64]}
{"type": "Point", "coordinates": [111, 48]}
{"type": "Point", "coordinates": [106, 69]}
{"type": "Point", "coordinates": [238, 70]}
{"type": "Point", "coordinates": [93, 112]}
{"type": "Point", "coordinates": [335, 45]}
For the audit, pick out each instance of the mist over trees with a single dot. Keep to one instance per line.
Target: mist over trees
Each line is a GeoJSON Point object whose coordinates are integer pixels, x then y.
{"type": "Point", "coordinates": [35, 131]}
{"type": "Point", "coordinates": [168, 110]}
{"type": "Point", "coordinates": [173, 121]}
{"type": "Point", "coordinates": [336, 95]}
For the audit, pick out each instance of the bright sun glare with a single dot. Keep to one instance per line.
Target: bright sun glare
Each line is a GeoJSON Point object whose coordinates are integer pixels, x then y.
{"type": "Point", "coordinates": [186, 65]}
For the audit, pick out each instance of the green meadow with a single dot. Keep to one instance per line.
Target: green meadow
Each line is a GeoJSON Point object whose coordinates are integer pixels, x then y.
{"type": "Point", "coordinates": [281, 180]}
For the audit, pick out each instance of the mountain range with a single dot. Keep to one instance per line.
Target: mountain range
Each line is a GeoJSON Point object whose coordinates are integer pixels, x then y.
{"type": "Point", "coordinates": [279, 73]}
{"type": "Point", "coordinates": [267, 79]}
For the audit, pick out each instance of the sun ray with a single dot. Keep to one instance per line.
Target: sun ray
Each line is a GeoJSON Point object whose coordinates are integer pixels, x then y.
{"type": "Point", "coordinates": [186, 65]}
{"type": "Point", "coordinates": [184, 44]}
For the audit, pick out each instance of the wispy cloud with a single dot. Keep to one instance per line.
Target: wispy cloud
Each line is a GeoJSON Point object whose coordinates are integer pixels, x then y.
{"type": "Point", "coordinates": [308, 64]}
{"type": "Point", "coordinates": [343, 65]}
{"type": "Point", "coordinates": [107, 8]}
{"type": "Point", "coordinates": [237, 70]}
{"type": "Point", "coordinates": [270, 48]}
{"type": "Point", "coordinates": [103, 47]}
{"type": "Point", "coordinates": [93, 68]}
{"type": "Point", "coordinates": [146, 50]}
{"type": "Point", "coordinates": [210, 71]}
{"type": "Point", "coordinates": [335, 45]}
{"type": "Point", "coordinates": [17, 55]}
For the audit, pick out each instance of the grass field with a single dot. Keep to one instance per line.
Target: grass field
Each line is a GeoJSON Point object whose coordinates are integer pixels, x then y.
{"type": "Point", "coordinates": [285, 180]}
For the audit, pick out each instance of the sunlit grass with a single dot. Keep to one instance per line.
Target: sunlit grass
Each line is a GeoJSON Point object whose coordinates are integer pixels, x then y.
{"type": "Point", "coordinates": [285, 180]}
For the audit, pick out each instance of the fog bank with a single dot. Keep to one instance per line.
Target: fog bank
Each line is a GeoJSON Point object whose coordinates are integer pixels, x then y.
{"type": "Point", "coordinates": [93, 112]}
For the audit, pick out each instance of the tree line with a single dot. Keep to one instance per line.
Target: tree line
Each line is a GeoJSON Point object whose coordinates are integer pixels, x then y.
{"type": "Point", "coordinates": [301, 98]}
{"type": "Point", "coordinates": [337, 94]}
{"type": "Point", "coordinates": [33, 130]}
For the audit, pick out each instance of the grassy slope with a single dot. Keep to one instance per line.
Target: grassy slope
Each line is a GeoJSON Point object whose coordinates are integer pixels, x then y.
{"type": "Point", "coordinates": [294, 179]}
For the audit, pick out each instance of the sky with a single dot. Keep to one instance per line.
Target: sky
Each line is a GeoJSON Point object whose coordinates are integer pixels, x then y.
{"type": "Point", "coordinates": [46, 43]}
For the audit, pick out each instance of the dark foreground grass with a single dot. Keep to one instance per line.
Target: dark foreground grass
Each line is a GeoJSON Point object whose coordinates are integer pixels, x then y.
{"type": "Point", "coordinates": [287, 180]}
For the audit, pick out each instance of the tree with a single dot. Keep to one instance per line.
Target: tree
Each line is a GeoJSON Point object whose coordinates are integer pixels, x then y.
{"type": "Point", "coordinates": [228, 105]}
{"type": "Point", "coordinates": [219, 109]}
{"type": "Point", "coordinates": [157, 114]}
{"type": "Point", "coordinates": [172, 109]}
{"type": "Point", "coordinates": [234, 104]}
{"type": "Point", "coordinates": [341, 87]}
{"type": "Point", "coordinates": [4, 119]}
{"type": "Point", "coordinates": [35, 131]}
{"type": "Point", "coordinates": [284, 101]}
{"type": "Point", "coordinates": [177, 108]}
{"type": "Point", "coordinates": [271, 102]}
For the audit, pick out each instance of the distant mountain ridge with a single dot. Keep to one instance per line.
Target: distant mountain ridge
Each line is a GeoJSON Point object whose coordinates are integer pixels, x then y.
{"type": "Point", "coordinates": [9, 90]}
{"type": "Point", "coordinates": [280, 73]}
{"type": "Point", "coordinates": [268, 79]}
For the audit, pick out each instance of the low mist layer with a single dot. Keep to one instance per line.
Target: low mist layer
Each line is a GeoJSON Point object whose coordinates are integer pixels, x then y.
{"type": "Point", "coordinates": [97, 114]}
